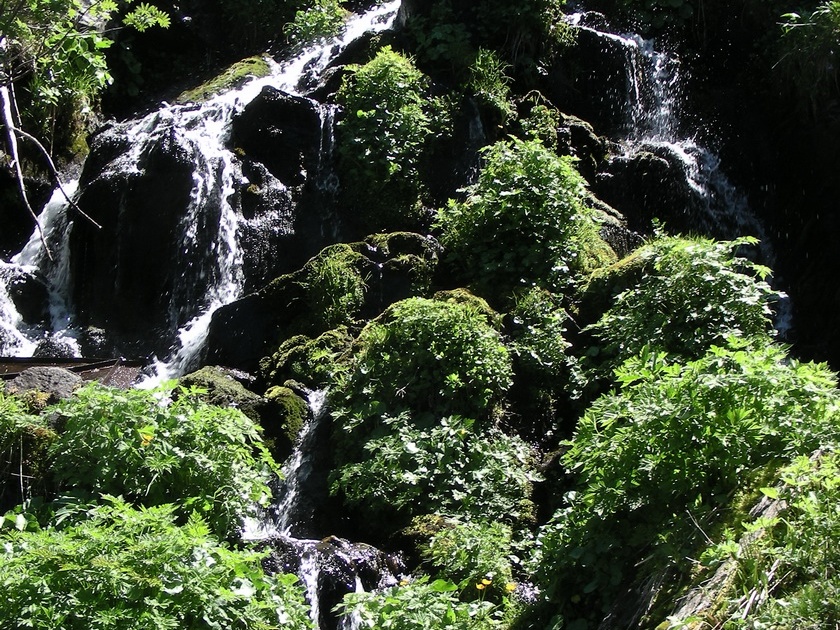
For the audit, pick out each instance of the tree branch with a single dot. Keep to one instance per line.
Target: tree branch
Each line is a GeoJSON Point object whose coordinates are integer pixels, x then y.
{"type": "Point", "coordinates": [11, 139]}
{"type": "Point", "coordinates": [56, 176]}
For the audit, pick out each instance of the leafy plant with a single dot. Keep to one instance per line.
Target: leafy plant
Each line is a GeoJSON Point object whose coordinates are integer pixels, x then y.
{"type": "Point", "coordinates": [389, 121]}
{"type": "Point", "coordinates": [522, 223]}
{"type": "Point", "coordinates": [476, 555]}
{"type": "Point", "coordinates": [810, 44]}
{"type": "Point", "coordinates": [489, 83]}
{"type": "Point", "coordinates": [320, 20]}
{"type": "Point", "coordinates": [446, 466]}
{"type": "Point", "coordinates": [127, 568]}
{"type": "Point", "coordinates": [335, 287]}
{"type": "Point", "coordinates": [427, 356]}
{"type": "Point", "coordinates": [418, 605]}
{"type": "Point", "coordinates": [688, 294]}
{"type": "Point", "coordinates": [674, 440]}
{"type": "Point", "coordinates": [154, 450]}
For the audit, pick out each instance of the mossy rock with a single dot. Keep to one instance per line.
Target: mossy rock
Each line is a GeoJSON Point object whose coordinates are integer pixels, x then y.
{"type": "Point", "coordinates": [414, 540]}
{"type": "Point", "coordinates": [606, 283]}
{"type": "Point", "coordinates": [234, 76]}
{"type": "Point", "coordinates": [307, 360]}
{"type": "Point", "coordinates": [285, 416]}
{"type": "Point", "coordinates": [223, 390]}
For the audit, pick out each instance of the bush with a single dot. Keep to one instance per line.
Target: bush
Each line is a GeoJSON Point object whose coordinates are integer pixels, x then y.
{"type": "Point", "coordinates": [426, 356]}
{"type": "Point", "coordinates": [309, 361]}
{"type": "Point", "coordinates": [789, 570]}
{"type": "Point", "coordinates": [335, 287]}
{"type": "Point", "coordinates": [389, 121]}
{"type": "Point", "coordinates": [124, 568]}
{"type": "Point", "coordinates": [476, 555]}
{"type": "Point", "coordinates": [675, 440]}
{"type": "Point", "coordinates": [24, 443]}
{"type": "Point", "coordinates": [321, 20]}
{"type": "Point", "coordinates": [690, 294]}
{"type": "Point", "coordinates": [446, 467]}
{"type": "Point", "coordinates": [418, 605]}
{"type": "Point", "coordinates": [152, 450]}
{"type": "Point", "coordinates": [521, 224]}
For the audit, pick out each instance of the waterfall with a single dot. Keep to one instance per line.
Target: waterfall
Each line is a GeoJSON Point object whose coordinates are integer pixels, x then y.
{"type": "Point", "coordinates": [652, 112]}
{"type": "Point", "coordinates": [207, 270]}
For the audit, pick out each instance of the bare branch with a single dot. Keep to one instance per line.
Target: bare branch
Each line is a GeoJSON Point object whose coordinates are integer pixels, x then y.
{"type": "Point", "coordinates": [56, 176]}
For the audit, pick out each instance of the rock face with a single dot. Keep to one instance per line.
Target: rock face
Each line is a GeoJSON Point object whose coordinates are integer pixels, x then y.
{"type": "Point", "coordinates": [129, 264]}
{"type": "Point", "coordinates": [282, 132]}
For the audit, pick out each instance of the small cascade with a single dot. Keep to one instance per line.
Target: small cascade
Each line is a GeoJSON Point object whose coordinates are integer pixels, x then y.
{"type": "Point", "coordinates": [653, 124]}
{"type": "Point", "coordinates": [328, 568]}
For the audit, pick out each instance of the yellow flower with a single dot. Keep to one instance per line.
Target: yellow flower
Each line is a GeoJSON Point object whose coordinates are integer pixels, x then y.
{"type": "Point", "coordinates": [480, 586]}
{"type": "Point", "coordinates": [510, 587]}
{"type": "Point", "coordinates": [486, 582]}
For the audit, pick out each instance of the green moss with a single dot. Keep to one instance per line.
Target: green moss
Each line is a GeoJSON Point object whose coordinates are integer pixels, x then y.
{"type": "Point", "coordinates": [234, 76]}
{"type": "Point", "coordinates": [310, 361]}
{"type": "Point", "coordinates": [465, 297]}
{"type": "Point", "coordinates": [222, 390]}
{"type": "Point", "coordinates": [288, 413]}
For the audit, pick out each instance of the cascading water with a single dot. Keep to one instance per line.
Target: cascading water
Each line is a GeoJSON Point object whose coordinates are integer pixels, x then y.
{"type": "Point", "coordinates": [651, 106]}
{"type": "Point", "coordinates": [207, 267]}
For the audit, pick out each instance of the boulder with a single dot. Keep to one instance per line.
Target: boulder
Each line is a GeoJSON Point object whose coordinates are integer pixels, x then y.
{"type": "Point", "coordinates": [282, 131]}
{"type": "Point", "coordinates": [57, 382]}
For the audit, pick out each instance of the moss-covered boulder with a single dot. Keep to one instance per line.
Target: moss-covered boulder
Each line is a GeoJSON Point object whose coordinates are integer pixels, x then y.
{"type": "Point", "coordinates": [286, 413]}
{"type": "Point", "coordinates": [224, 390]}
{"type": "Point", "coordinates": [307, 360]}
{"type": "Point", "coordinates": [232, 77]}
{"type": "Point", "coordinates": [343, 284]}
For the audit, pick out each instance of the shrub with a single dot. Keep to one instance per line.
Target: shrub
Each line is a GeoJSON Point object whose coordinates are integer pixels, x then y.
{"type": "Point", "coordinates": [476, 555]}
{"type": "Point", "coordinates": [489, 83]}
{"type": "Point", "coordinates": [656, 460]}
{"type": "Point", "coordinates": [124, 568]}
{"type": "Point", "coordinates": [24, 442]}
{"type": "Point", "coordinates": [521, 223]}
{"type": "Point", "coordinates": [537, 328]}
{"type": "Point", "coordinates": [320, 20]}
{"type": "Point", "coordinates": [335, 287]}
{"type": "Point", "coordinates": [152, 450]}
{"type": "Point", "coordinates": [418, 605]}
{"type": "Point", "coordinates": [691, 293]}
{"type": "Point", "coordinates": [389, 120]}
{"type": "Point", "coordinates": [309, 361]}
{"type": "Point", "coordinates": [427, 356]}
{"type": "Point", "coordinates": [447, 467]}
{"type": "Point", "coordinates": [788, 571]}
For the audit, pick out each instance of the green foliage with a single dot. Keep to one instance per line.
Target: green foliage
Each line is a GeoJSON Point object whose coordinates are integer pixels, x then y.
{"type": "Point", "coordinates": [57, 48]}
{"type": "Point", "coordinates": [312, 362]}
{"type": "Point", "coordinates": [125, 568]}
{"type": "Point", "coordinates": [320, 20]}
{"type": "Point", "coordinates": [24, 442]}
{"type": "Point", "coordinates": [522, 223]}
{"type": "Point", "coordinates": [476, 555]}
{"type": "Point", "coordinates": [691, 293]}
{"type": "Point", "coordinates": [810, 44]}
{"type": "Point", "coordinates": [418, 605]}
{"type": "Point", "coordinates": [389, 122]}
{"type": "Point", "coordinates": [427, 356]}
{"type": "Point", "coordinates": [152, 450]}
{"type": "Point", "coordinates": [675, 440]}
{"type": "Point", "coordinates": [489, 83]}
{"type": "Point", "coordinates": [445, 466]}
{"type": "Point", "coordinates": [537, 329]}
{"type": "Point", "coordinates": [335, 287]}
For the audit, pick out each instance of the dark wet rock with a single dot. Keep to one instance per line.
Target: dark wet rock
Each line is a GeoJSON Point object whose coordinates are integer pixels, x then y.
{"type": "Point", "coordinates": [282, 132]}
{"type": "Point", "coordinates": [17, 223]}
{"type": "Point", "coordinates": [331, 568]}
{"type": "Point", "coordinates": [28, 291]}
